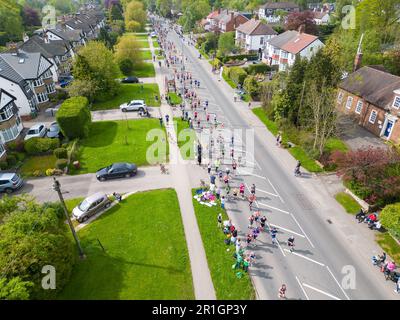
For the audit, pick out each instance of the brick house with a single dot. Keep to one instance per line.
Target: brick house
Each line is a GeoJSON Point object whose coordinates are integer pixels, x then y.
{"type": "Point", "coordinates": [372, 96]}
{"type": "Point", "coordinates": [228, 20]}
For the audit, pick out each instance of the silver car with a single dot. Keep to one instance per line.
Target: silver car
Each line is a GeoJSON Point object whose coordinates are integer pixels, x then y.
{"type": "Point", "coordinates": [134, 105]}
{"type": "Point", "coordinates": [90, 206]}
{"type": "Point", "coordinates": [10, 182]}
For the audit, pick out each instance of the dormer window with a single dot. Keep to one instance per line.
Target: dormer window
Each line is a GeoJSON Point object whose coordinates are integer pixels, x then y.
{"type": "Point", "coordinates": [396, 103]}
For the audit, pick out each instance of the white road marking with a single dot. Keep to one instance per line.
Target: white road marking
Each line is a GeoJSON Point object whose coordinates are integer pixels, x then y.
{"type": "Point", "coordinates": [276, 191]}
{"type": "Point", "coordinates": [271, 194]}
{"type": "Point", "coordinates": [251, 174]}
{"type": "Point", "coordinates": [271, 207]}
{"type": "Point", "coordinates": [304, 291]}
{"type": "Point", "coordinates": [337, 282]}
{"type": "Point", "coordinates": [304, 257]}
{"type": "Point", "coordinates": [298, 224]}
{"type": "Point", "coordinates": [320, 291]}
{"type": "Point", "coordinates": [288, 230]}
{"type": "Point", "coordinates": [280, 248]}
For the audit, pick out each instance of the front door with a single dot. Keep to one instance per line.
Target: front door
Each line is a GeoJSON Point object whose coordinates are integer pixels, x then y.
{"type": "Point", "coordinates": [389, 128]}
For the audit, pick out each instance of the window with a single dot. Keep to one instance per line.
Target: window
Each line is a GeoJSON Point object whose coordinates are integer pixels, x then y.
{"type": "Point", "coordinates": [396, 103]}
{"type": "Point", "coordinates": [50, 88]}
{"type": "Point", "coordinates": [42, 97]}
{"type": "Point", "coordinates": [372, 116]}
{"type": "Point", "coordinates": [2, 149]}
{"type": "Point", "coordinates": [6, 113]}
{"type": "Point", "coordinates": [10, 133]}
{"type": "Point", "coordinates": [284, 55]}
{"type": "Point", "coordinates": [359, 107]}
{"type": "Point", "coordinates": [261, 40]}
{"type": "Point", "coordinates": [340, 97]}
{"type": "Point", "coordinates": [349, 102]}
{"type": "Point", "coordinates": [38, 82]}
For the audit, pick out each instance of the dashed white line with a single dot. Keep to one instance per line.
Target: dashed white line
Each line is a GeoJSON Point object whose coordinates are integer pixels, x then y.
{"type": "Point", "coordinates": [304, 291]}
{"type": "Point", "coordinates": [275, 191]}
{"type": "Point", "coordinates": [287, 230]}
{"type": "Point", "coordinates": [321, 291]}
{"type": "Point", "coordinates": [271, 207]}
{"type": "Point", "coordinates": [337, 282]}
{"type": "Point", "coordinates": [304, 257]}
{"type": "Point", "coordinates": [298, 224]}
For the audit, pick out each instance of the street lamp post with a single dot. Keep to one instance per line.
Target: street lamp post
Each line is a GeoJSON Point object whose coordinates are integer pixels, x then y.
{"type": "Point", "coordinates": [56, 187]}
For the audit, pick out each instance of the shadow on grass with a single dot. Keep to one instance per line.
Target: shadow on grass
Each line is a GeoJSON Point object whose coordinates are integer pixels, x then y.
{"type": "Point", "coordinates": [101, 134]}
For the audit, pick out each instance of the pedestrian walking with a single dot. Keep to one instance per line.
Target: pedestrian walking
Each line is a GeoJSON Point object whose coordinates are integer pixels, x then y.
{"type": "Point", "coordinates": [209, 168]}
{"type": "Point", "coordinates": [251, 221]}
{"type": "Point", "coordinates": [249, 105]}
{"type": "Point", "coordinates": [223, 202]}
{"type": "Point", "coordinates": [249, 238]}
{"type": "Point", "coordinates": [241, 190]}
{"type": "Point", "coordinates": [291, 243]}
{"type": "Point", "coordinates": [218, 193]}
{"type": "Point", "coordinates": [263, 221]}
{"type": "Point", "coordinates": [282, 292]}
{"type": "Point", "coordinates": [167, 119]}
{"type": "Point", "coordinates": [251, 199]}
{"type": "Point", "coordinates": [253, 189]}
{"type": "Point", "coordinates": [234, 167]}
{"type": "Point", "coordinates": [217, 164]}
{"type": "Point", "coordinates": [219, 219]}
{"type": "Point", "coordinates": [279, 139]}
{"type": "Point", "coordinates": [274, 232]}
{"type": "Point", "coordinates": [161, 121]}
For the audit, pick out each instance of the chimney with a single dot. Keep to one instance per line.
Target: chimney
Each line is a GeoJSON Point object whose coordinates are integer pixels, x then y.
{"type": "Point", "coordinates": [25, 37]}
{"type": "Point", "coordinates": [46, 38]}
{"type": "Point", "coordinates": [359, 56]}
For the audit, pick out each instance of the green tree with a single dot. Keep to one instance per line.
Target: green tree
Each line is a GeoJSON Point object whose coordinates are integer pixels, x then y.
{"type": "Point", "coordinates": [390, 218]}
{"type": "Point", "coordinates": [11, 27]}
{"type": "Point", "coordinates": [135, 12]}
{"type": "Point", "coordinates": [14, 289]}
{"type": "Point", "coordinates": [116, 12]}
{"type": "Point", "coordinates": [128, 48]}
{"type": "Point", "coordinates": [193, 11]}
{"type": "Point", "coordinates": [226, 43]}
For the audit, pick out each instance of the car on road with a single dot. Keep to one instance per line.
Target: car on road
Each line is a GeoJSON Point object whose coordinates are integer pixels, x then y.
{"type": "Point", "coordinates": [130, 80]}
{"type": "Point", "coordinates": [10, 182]}
{"type": "Point", "coordinates": [117, 170]}
{"type": "Point", "coordinates": [37, 131]}
{"type": "Point", "coordinates": [90, 206]}
{"type": "Point", "coordinates": [54, 131]}
{"type": "Point", "coordinates": [134, 105]}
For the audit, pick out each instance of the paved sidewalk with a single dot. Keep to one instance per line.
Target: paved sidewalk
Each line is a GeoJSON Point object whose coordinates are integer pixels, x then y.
{"type": "Point", "coordinates": [202, 282]}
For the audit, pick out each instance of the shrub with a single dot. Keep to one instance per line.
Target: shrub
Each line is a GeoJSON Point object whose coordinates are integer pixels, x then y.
{"type": "Point", "coordinates": [390, 218]}
{"type": "Point", "coordinates": [254, 69]}
{"type": "Point", "coordinates": [16, 146]}
{"type": "Point", "coordinates": [11, 160]}
{"type": "Point", "coordinates": [3, 165]}
{"type": "Point", "coordinates": [237, 75]}
{"type": "Point", "coordinates": [251, 86]}
{"type": "Point", "coordinates": [74, 117]}
{"type": "Point", "coordinates": [50, 172]}
{"type": "Point", "coordinates": [61, 164]}
{"type": "Point", "coordinates": [61, 153]}
{"type": "Point", "coordinates": [249, 57]}
{"type": "Point", "coordinates": [126, 66]}
{"type": "Point", "coordinates": [36, 146]}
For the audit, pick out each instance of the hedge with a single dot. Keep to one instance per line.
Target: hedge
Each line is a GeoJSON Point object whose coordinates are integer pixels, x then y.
{"type": "Point", "coordinates": [36, 146]}
{"type": "Point", "coordinates": [254, 69]}
{"type": "Point", "coordinates": [249, 57]}
{"type": "Point", "coordinates": [74, 117]}
{"type": "Point", "coordinates": [237, 75]}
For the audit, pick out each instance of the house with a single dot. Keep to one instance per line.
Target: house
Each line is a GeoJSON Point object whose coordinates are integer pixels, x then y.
{"type": "Point", "coordinates": [321, 17]}
{"type": "Point", "coordinates": [10, 122]}
{"type": "Point", "coordinates": [283, 49]}
{"type": "Point", "coordinates": [270, 10]}
{"type": "Point", "coordinates": [228, 21]}
{"type": "Point", "coordinates": [58, 52]}
{"type": "Point", "coordinates": [74, 38]}
{"type": "Point", "coordinates": [253, 35]}
{"type": "Point", "coordinates": [28, 78]}
{"type": "Point", "coordinates": [211, 22]}
{"type": "Point", "coordinates": [372, 96]}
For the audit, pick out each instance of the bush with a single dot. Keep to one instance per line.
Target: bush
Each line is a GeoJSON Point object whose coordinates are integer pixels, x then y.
{"type": "Point", "coordinates": [61, 164]}
{"type": "Point", "coordinates": [74, 117]}
{"type": "Point", "coordinates": [237, 75]}
{"type": "Point", "coordinates": [126, 66]}
{"type": "Point", "coordinates": [61, 153]}
{"type": "Point", "coordinates": [50, 172]}
{"type": "Point", "coordinates": [60, 95]}
{"type": "Point", "coordinates": [16, 146]}
{"type": "Point", "coordinates": [36, 146]}
{"type": "Point", "coordinates": [249, 57]}
{"type": "Point", "coordinates": [252, 87]}
{"type": "Point", "coordinates": [3, 165]}
{"type": "Point", "coordinates": [390, 218]}
{"type": "Point", "coordinates": [11, 160]}
{"type": "Point", "coordinates": [254, 69]}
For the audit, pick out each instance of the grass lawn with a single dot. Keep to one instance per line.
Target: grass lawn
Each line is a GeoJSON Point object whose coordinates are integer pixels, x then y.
{"type": "Point", "coordinates": [155, 44]}
{"type": "Point", "coordinates": [336, 144]}
{"type": "Point", "coordinates": [145, 254]}
{"type": "Point", "coordinates": [146, 55]}
{"type": "Point", "coordinates": [144, 70]}
{"type": "Point", "coordinates": [37, 163]}
{"type": "Point", "coordinates": [175, 99]}
{"type": "Point", "coordinates": [130, 92]}
{"type": "Point", "coordinates": [389, 245]}
{"type": "Point", "coordinates": [106, 144]}
{"type": "Point", "coordinates": [271, 125]}
{"type": "Point", "coordinates": [227, 286]}
{"type": "Point", "coordinates": [188, 151]}
{"type": "Point", "coordinates": [348, 203]}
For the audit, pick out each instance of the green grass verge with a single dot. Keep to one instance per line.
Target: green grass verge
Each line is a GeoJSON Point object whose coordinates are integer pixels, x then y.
{"type": "Point", "coordinates": [175, 99]}
{"type": "Point", "coordinates": [389, 245]}
{"type": "Point", "coordinates": [145, 254]}
{"type": "Point", "coordinates": [143, 44]}
{"type": "Point", "coordinates": [348, 203]}
{"type": "Point", "coordinates": [37, 165]}
{"type": "Point", "coordinates": [229, 81]}
{"type": "Point", "coordinates": [146, 55]}
{"type": "Point", "coordinates": [336, 144]}
{"type": "Point", "coordinates": [144, 70]}
{"type": "Point", "coordinates": [271, 125]}
{"type": "Point", "coordinates": [186, 143]}
{"type": "Point", "coordinates": [117, 141]}
{"type": "Point", "coordinates": [155, 44]}
{"type": "Point", "coordinates": [130, 92]}
{"type": "Point", "coordinates": [227, 286]}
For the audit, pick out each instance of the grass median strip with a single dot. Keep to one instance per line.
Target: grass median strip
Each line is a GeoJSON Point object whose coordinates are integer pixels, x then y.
{"type": "Point", "coordinates": [348, 203]}
{"type": "Point", "coordinates": [227, 286]}
{"type": "Point", "coordinates": [185, 139]}
{"type": "Point", "coordinates": [145, 253]}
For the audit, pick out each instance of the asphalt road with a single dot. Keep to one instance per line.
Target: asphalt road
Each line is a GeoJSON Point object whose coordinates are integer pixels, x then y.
{"type": "Point", "coordinates": [324, 253]}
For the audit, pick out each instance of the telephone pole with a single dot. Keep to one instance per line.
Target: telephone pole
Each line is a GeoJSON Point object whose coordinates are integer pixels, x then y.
{"type": "Point", "coordinates": [56, 187]}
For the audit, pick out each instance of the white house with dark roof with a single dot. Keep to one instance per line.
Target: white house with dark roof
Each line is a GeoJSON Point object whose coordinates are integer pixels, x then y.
{"type": "Point", "coordinates": [10, 122]}
{"type": "Point", "coordinates": [283, 49]}
{"type": "Point", "coordinates": [27, 77]}
{"type": "Point", "coordinates": [269, 10]}
{"type": "Point", "coordinates": [253, 35]}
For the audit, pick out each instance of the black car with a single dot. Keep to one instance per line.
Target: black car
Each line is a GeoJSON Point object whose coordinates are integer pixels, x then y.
{"type": "Point", "coordinates": [130, 80]}
{"type": "Point", "coordinates": [117, 170]}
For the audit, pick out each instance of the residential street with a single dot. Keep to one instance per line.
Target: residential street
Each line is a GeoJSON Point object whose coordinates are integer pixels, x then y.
{"type": "Point", "coordinates": [329, 243]}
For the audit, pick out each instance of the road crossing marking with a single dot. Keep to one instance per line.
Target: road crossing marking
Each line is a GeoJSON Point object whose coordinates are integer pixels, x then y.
{"type": "Point", "coordinates": [304, 291]}
{"type": "Point", "coordinates": [321, 291]}
{"type": "Point", "coordinates": [271, 207]}
{"type": "Point", "coordinates": [287, 230]}
{"type": "Point", "coordinates": [271, 194]}
{"type": "Point", "coordinates": [337, 282]}
{"type": "Point", "coordinates": [275, 190]}
{"type": "Point", "coordinates": [298, 224]}
{"type": "Point", "coordinates": [251, 174]}
{"type": "Point", "coordinates": [304, 257]}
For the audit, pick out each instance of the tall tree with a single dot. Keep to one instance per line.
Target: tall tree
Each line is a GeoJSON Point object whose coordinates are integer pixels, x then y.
{"type": "Point", "coordinates": [134, 12]}
{"type": "Point", "coordinates": [296, 20]}
{"type": "Point", "coordinates": [30, 17]}
{"type": "Point", "coordinates": [11, 28]}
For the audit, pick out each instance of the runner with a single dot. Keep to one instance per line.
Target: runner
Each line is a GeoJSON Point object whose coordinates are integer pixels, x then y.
{"type": "Point", "coordinates": [241, 190]}
{"type": "Point", "coordinates": [251, 221]}
{"type": "Point", "coordinates": [282, 292]}
{"type": "Point", "coordinates": [219, 219]}
{"type": "Point", "coordinates": [291, 243]}
{"type": "Point", "coordinates": [274, 231]}
{"type": "Point", "coordinates": [253, 189]}
{"type": "Point", "coordinates": [251, 199]}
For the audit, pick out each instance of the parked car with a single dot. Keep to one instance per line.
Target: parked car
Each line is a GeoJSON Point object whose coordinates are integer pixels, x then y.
{"type": "Point", "coordinates": [134, 105]}
{"type": "Point", "coordinates": [153, 34]}
{"type": "Point", "coordinates": [90, 206]}
{"type": "Point", "coordinates": [51, 112]}
{"type": "Point", "coordinates": [37, 131]}
{"type": "Point", "coordinates": [117, 170]}
{"type": "Point", "coordinates": [65, 81]}
{"type": "Point", "coordinates": [54, 131]}
{"type": "Point", "coordinates": [10, 182]}
{"type": "Point", "coordinates": [130, 80]}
